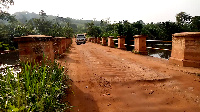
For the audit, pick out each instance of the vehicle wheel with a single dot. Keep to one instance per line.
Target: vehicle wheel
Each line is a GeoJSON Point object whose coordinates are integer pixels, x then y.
{"type": "Point", "coordinates": [83, 42]}
{"type": "Point", "coordinates": [77, 43]}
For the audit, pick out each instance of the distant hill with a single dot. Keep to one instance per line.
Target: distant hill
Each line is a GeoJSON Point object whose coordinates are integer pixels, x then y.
{"type": "Point", "coordinates": [78, 25]}
{"type": "Point", "coordinates": [25, 16]}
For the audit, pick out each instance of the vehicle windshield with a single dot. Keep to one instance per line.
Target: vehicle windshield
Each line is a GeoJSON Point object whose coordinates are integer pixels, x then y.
{"type": "Point", "coordinates": [80, 36]}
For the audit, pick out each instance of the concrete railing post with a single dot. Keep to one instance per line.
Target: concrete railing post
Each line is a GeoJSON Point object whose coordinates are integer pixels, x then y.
{"type": "Point", "coordinates": [63, 43]}
{"type": "Point", "coordinates": [121, 42]}
{"type": "Point", "coordinates": [140, 44]}
{"type": "Point", "coordinates": [59, 45]}
{"type": "Point", "coordinates": [98, 40]}
{"type": "Point", "coordinates": [103, 41]}
{"type": "Point", "coordinates": [90, 39]}
{"type": "Point", "coordinates": [33, 47]}
{"type": "Point", "coordinates": [186, 49]}
{"type": "Point", "coordinates": [95, 39]}
{"type": "Point", "coordinates": [111, 41]}
{"type": "Point", "coordinates": [68, 42]}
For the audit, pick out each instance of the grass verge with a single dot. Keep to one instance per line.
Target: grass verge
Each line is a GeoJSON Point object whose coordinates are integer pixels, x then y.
{"type": "Point", "coordinates": [38, 87]}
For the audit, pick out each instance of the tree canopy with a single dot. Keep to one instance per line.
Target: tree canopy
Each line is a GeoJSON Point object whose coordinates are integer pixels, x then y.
{"type": "Point", "coordinates": [26, 23]}
{"type": "Point", "coordinates": [5, 4]}
{"type": "Point", "coordinates": [183, 18]}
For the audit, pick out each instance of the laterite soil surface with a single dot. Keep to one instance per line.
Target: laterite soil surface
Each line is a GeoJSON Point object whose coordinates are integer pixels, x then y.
{"type": "Point", "coordinates": [113, 80]}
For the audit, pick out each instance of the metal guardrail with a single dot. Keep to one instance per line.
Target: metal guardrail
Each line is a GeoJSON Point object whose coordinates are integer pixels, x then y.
{"type": "Point", "coordinates": [114, 39]}
{"type": "Point", "coordinates": [150, 41]}
{"type": "Point", "coordinates": [129, 45]}
{"type": "Point", "coordinates": [154, 41]}
{"type": "Point", "coordinates": [159, 44]}
{"type": "Point", "coordinates": [159, 49]}
{"type": "Point", "coordinates": [155, 44]}
{"type": "Point", "coordinates": [157, 41]}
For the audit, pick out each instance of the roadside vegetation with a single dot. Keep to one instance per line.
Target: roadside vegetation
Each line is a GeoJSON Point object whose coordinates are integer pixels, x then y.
{"type": "Point", "coordinates": [35, 87]}
{"type": "Point", "coordinates": [155, 31]}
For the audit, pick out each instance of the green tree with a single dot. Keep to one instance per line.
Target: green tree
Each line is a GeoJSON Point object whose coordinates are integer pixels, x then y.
{"type": "Point", "coordinates": [167, 29]}
{"type": "Point", "coordinates": [5, 4]}
{"type": "Point", "coordinates": [138, 27]}
{"type": "Point", "coordinates": [195, 23]}
{"type": "Point", "coordinates": [40, 26]}
{"type": "Point", "coordinates": [6, 16]}
{"type": "Point", "coordinates": [68, 30]}
{"type": "Point", "coordinates": [161, 31]}
{"type": "Point", "coordinates": [61, 31]}
{"type": "Point", "coordinates": [183, 18]}
{"type": "Point", "coordinates": [22, 30]}
{"type": "Point", "coordinates": [93, 30]}
{"type": "Point", "coordinates": [152, 31]}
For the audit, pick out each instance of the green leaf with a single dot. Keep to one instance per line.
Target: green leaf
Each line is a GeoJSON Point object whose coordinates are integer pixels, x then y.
{"type": "Point", "coordinates": [56, 88]}
{"type": "Point", "coordinates": [22, 108]}
{"type": "Point", "coordinates": [15, 109]}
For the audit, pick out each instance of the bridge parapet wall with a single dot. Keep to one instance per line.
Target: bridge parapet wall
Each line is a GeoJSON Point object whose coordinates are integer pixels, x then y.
{"type": "Point", "coordinates": [121, 42]}
{"type": "Point", "coordinates": [98, 40]}
{"type": "Point", "coordinates": [104, 43]}
{"type": "Point", "coordinates": [32, 47]}
{"type": "Point", "coordinates": [111, 41]}
{"type": "Point", "coordinates": [186, 49]}
{"type": "Point", "coordinates": [140, 44]}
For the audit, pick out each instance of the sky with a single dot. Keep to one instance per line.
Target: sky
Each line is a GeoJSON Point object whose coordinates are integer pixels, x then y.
{"type": "Point", "coordinates": [114, 10]}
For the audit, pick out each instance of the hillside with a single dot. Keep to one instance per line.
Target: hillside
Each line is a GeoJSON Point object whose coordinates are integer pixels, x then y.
{"type": "Point", "coordinates": [26, 16]}
{"type": "Point", "coordinates": [78, 25]}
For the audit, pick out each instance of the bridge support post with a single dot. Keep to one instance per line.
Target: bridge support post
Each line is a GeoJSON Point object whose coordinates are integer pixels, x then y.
{"type": "Point", "coordinates": [140, 44]}
{"type": "Point", "coordinates": [59, 45]}
{"type": "Point", "coordinates": [111, 41]}
{"type": "Point", "coordinates": [63, 43]}
{"type": "Point", "coordinates": [186, 49]}
{"type": "Point", "coordinates": [89, 39]}
{"type": "Point", "coordinates": [121, 42]}
{"type": "Point", "coordinates": [95, 39]}
{"type": "Point", "coordinates": [103, 41]}
{"type": "Point", "coordinates": [98, 40]}
{"type": "Point", "coordinates": [68, 42]}
{"type": "Point", "coordinates": [32, 47]}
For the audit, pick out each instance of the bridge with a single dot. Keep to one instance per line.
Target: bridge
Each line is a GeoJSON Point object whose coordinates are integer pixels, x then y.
{"type": "Point", "coordinates": [109, 79]}
{"type": "Point", "coordinates": [185, 47]}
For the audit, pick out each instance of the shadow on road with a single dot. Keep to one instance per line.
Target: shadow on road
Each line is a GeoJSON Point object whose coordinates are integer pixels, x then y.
{"type": "Point", "coordinates": [82, 102]}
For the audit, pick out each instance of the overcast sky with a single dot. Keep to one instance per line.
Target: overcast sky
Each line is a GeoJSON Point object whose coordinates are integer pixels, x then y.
{"type": "Point", "coordinates": [116, 10]}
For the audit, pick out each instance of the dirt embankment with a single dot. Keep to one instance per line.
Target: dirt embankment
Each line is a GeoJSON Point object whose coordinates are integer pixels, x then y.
{"type": "Point", "coordinates": [112, 80]}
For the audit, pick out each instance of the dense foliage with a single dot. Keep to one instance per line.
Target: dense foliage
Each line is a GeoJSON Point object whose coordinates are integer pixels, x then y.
{"type": "Point", "coordinates": [36, 88]}
{"type": "Point", "coordinates": [6, 47]}
{"type": "Point", "coordinates": [25, 23]}
{"type": "Point", "coordinates": [160, 31]}
{"type": "Point", "coordinates": [5, 4]}
{"type": "Point", "coordinates": [11, 27]}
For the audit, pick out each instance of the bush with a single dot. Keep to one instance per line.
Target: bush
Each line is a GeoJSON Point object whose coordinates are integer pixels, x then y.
{"type": "Point", "coordinates": [35, 88]}
{"type": "Point", "coordinates": [6, 46]}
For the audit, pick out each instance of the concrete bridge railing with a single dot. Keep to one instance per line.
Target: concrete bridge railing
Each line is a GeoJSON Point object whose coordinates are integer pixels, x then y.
{"type": "Point", "coordinates": [185, 47]}
{"type": "Point", "coordinates": [33, 47]}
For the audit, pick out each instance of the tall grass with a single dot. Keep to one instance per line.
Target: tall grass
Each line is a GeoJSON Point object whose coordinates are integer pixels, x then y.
{"type": "Point", "coordinates": [38, 87]}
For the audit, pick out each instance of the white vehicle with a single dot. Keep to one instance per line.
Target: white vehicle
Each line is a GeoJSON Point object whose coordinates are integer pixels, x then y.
{"type": "Point", "coordinates": [80, 39]}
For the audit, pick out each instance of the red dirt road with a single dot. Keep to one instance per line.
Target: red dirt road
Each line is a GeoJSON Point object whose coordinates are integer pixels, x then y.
{"type": "Point", "coordinates": [112, 80]}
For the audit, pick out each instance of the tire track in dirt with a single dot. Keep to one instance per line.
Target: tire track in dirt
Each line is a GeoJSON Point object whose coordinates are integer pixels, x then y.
{"type": "Point", "coordinates": [119, 66]}
{"type": "Point", "coordinates": [120, 81]}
